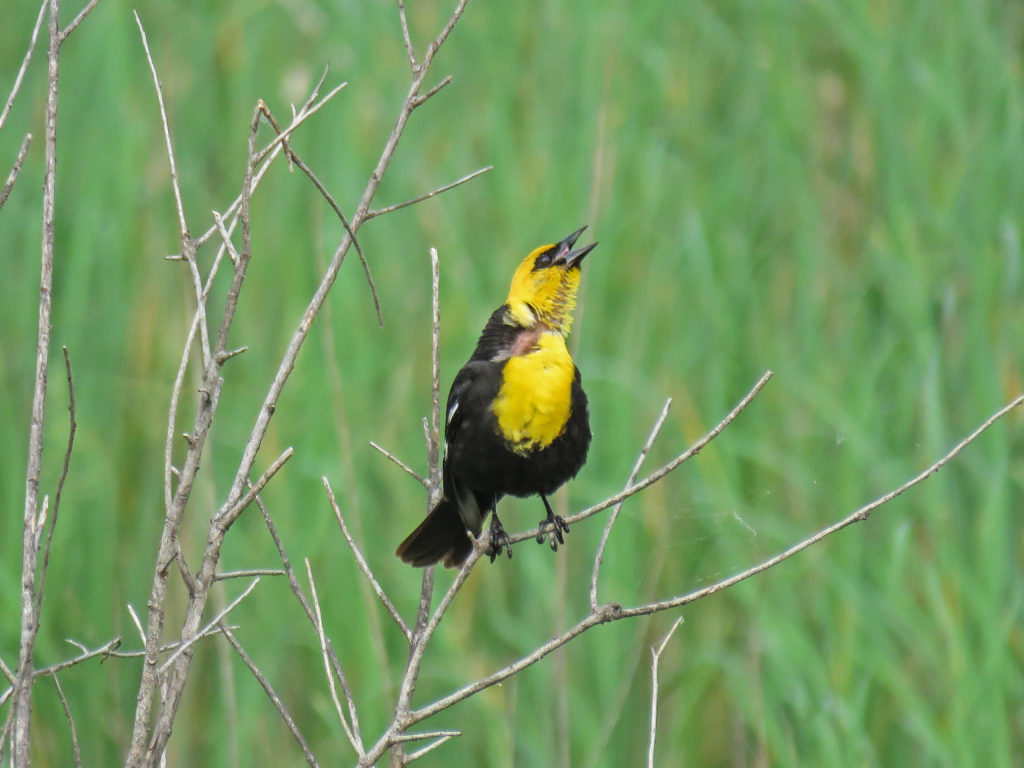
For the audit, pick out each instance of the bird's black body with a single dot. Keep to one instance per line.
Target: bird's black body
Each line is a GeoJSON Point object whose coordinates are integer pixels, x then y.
{"type": "Point", "coordinates": [482, 461]}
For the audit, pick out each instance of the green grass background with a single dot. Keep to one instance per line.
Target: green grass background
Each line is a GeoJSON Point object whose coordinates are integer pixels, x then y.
{"type": "Point", "coordinates": [829, 189]}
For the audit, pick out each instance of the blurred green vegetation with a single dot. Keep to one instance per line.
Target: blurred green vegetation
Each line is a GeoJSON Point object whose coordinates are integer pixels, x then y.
{"type": "Point", "coordinates": [829, 189]}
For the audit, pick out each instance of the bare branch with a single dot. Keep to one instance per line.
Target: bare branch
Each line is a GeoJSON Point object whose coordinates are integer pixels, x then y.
{"type": "Point", "coordinates": [248, 573]}
{"type": "Point", "coordinates": [655, 658]}
{"type": "Point", "coordinates": [392, 208]}
{"type": "Point", "coordinates": [106, 649]}
{"type": "Point", "coordinates": [417, 101]}
{"type": "Point", "coordinates": [225, 237]}
{"type": "Point", "coordinates": [657, 475]}
{"type": "Point", "coordinates": [75, 750]}
{"type": "Point", "coordinates": [150, 734]}
{"type": "Point", "coordinates": [77, 20]}
{"type": "Point", "coordinates": [20, 77]}
{"type": "Point", "coordinates": [289, 721]}
{"type": "Point", "coordinates": [293, 583]}
{"type": "Point", "coordinates": [599, 555]}
{"type": "Point", "coordinates": [351, 730]}
{"type": "Point", "coordinates": [266, 156]}
{"type": "Point", "coordinates": [407, 39]}
{"type": "Point", "coordinates": [7, 672]}
{"type": "Point", "coordinates": [409, 470]}
{"type": "Point", "coordinates": [182, 223]}
{"type": "Point", "coordinates": [209, 628]}
{"type": "Point", "coordinates": [21, 707]}
{"type": "Point", "coordinates": [406, 737]}
{"type": "Point", "coordinates": [363, 566]}
{"type": "Point", "coordinates": [443, 737]}
{"type": "Point", "coordinates": [72, 428]}
{"type": "Point", "coordinates": [614, 612]}
{"type": "Point", "coordinates": [294, 158]}
{"type": "Point", "coordinates": [855, 517]}
{"type": "Point", "coordinates": [298, 120]}
{"type": "Point", "coordinates": [15, 169]}
{"type": "Point", "coordinates": [225, 520]}
{"type": "Point", "coordinates": [435, 46]}
{"type": "Point", "coordinates": [424, 626]}
{"type": "Point", "coordinates": [137, 623]}
{"type": "Point", "coordinates": [184, 570]}
{"type": "Point", "coordinates": [434, 438]}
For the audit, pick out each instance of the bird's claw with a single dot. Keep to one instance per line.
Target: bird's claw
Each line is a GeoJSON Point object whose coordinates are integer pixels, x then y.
{"type": "Point", "coordinates": [499, 541]}
{"type": "Point", "coordinates": [552, 528]}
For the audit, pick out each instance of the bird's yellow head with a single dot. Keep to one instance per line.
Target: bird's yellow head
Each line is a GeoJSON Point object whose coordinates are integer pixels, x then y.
{"type": "Point", "coordinates": [544, 287]}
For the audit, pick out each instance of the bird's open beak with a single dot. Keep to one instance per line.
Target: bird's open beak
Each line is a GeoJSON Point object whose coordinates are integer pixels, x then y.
{"type": "Point", "coordinates": [572, 258]}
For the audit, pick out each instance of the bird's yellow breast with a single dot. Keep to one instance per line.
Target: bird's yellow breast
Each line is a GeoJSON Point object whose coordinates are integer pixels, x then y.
{"type": "Point", "coordinates": [535, 398]}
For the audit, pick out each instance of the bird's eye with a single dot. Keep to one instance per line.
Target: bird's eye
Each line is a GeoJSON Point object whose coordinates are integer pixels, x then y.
{"type": "Point", "coordinates": [545, 259]}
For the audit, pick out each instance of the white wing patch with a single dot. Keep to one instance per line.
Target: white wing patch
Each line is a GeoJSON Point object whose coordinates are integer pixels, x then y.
{"type": "Point", "coordinates": [451, 412]}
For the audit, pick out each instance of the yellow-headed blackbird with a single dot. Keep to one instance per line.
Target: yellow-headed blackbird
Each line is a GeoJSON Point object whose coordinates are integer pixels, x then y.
{"type": "Point", "coordinates": [517, 419]}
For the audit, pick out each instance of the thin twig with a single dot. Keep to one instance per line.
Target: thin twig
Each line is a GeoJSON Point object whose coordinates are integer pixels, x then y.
{"type": "Point", "coordinates": [434, 441]}
{"type": "Point", "coordinates": [364, 566]}
{"type": "Point", "coordinates": [655, 476]}
{"type": "Point", "coordinates": [77, 20]}
{"type": "Point", "coordinates": [406, 38]}
{"type": "Point", "coordinates": [432, 92]}
{"type": "Point", "coordinates": [293, 583]}
{"type": "Point", "coordinates": [351, 730]}
{"type": "Point", "coordinates": [655, 658]}
{"type": "Point", "coordinates": [228, 518]}
{"type": "Point", "coordinates": [137, 623]}
{"type": "Point", "coordinates": [188, 248]}
{"type": "Point", "coordinates": [225, 237]}
{"type": "Point", "coordinates": [423, 629]}
{"type": "Point", "coordinates": [398, 206]}
{"type": "Point", "coordinates": [12, 177]}
{"type": "Point", "coordinates": [444, 737]}
{"type": "Point", "coordinates": [267, 156]}
{"type": "Point", "coordinates": [72, 428]}
{"type": "Point", "coordinates": [248, 573]}
{"type": "Point", "coordinates": [294, 158]}
{"type": "Point", "coordinates": [7, 672]}
{"type": "Point", "coordinates": [435, 46]}
{"type": "Point", "coordinates": [182, 223]}
{"type": "Point", "coordinates": [599, 555]}
{"type": "Point", "coordinates": [298, 120]}
{"type": "Point", "coordinates": [289, 721]}
{"type": "Point", "coordinates": [409, 470]}
{"type": "Point", "coordinates": [20, 77]}
{"type": "Point", "coordinates": [184, 570]}
{"type": "Point", "coordinates": [855, 517]}
{"type": "Point", "coordinates": [407, 737]}
{"type": "Point", "coordinates": [615, 612]}
{"type": "Point", "coordinates": [217, 620]}
{"type": "Point", "coordinates": [76, 751]}
{"type": "Point", "coordinates": [107, 649]}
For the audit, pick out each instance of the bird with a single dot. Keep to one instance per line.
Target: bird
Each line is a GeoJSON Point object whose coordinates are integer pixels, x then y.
{"type": "Point", "coordinates": [517, 420]}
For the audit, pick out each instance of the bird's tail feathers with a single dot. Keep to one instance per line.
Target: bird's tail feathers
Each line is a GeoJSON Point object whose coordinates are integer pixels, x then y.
{"type": "Point", "coordinates": [441, 536]}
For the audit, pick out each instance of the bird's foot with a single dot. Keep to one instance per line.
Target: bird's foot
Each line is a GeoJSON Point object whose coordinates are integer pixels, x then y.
{"type": "Point", "coordinates": [499, 540]}
{"type": "Point", "coordinates": [552, 527]}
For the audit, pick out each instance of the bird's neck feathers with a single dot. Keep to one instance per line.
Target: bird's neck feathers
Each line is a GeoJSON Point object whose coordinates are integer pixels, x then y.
{"type": "Point", "coordinates": [546, 295]}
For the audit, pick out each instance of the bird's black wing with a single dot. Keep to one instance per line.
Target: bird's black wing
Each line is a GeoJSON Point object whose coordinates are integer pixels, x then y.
{"type": "Point", "coordinates": [469, 414]}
